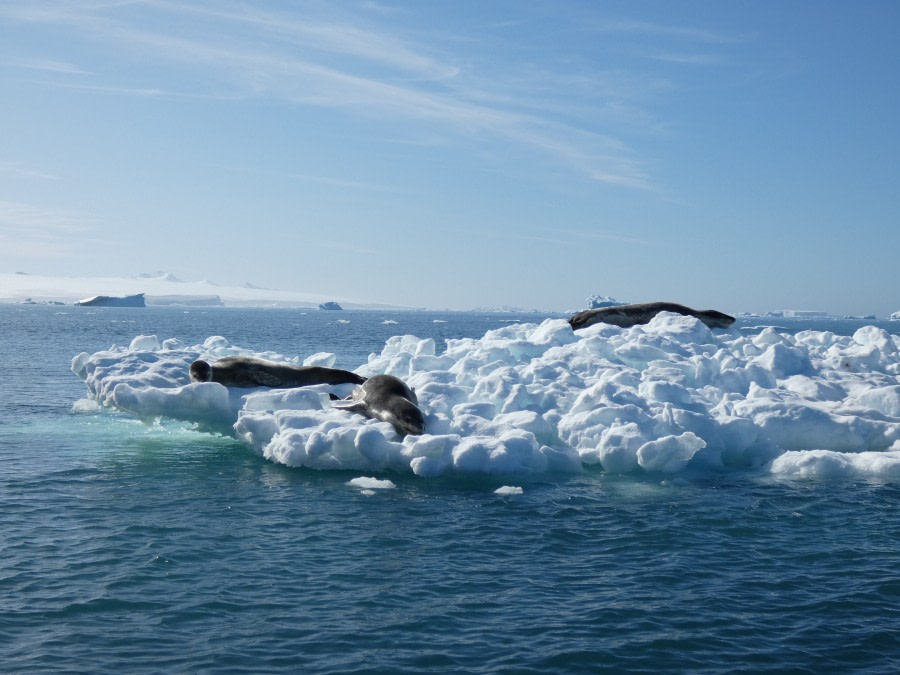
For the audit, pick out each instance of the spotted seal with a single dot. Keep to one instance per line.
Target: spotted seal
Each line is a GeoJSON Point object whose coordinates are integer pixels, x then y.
{"type": "Point", "coordinates": [631, 315]}
{"type": "Point", "coordinates": [389, 399]}
{"type": "Point", "coordinates": [247, 371]}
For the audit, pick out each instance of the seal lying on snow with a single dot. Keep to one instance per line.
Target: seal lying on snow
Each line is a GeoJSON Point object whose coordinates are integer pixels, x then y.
{"type": "Point", "coordinates": [631, 315]}
{"type": "Point", "coordinates": [246, 371]}
{"type": "Point", "coordinates": [389, 399]}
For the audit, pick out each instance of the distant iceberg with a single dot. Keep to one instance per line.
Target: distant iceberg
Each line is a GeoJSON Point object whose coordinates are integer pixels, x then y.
{"type": "Point", "coordinates": [114, 301]}
{"type": "Point", "coordinates": [330, 305]}
{"type": "Point", "coordinates": [15, 287]}
{"type": "Point", "coordinates": [598, 301]}
{"type": "Point", "coordinates": [186, 300]}
{"type": "Point", "coordinates": [799, 313]}
{"type": "Point", "coordinates": [895, 316]}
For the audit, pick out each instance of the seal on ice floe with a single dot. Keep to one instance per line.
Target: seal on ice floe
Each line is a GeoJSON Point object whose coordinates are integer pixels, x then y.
{"type": "Point", "coordinates": [631, 315]}
{"type": "Point", "coordinates": [246, 371]}
{"type": "Point", "coordinates": [389, 399]}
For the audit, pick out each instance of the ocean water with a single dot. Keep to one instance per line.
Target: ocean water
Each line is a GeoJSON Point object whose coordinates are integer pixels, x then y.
{"type": "Point", "coordinates": [128, 548]}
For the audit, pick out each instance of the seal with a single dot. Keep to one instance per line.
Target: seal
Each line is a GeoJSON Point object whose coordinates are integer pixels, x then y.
{"type": "Point", "coordinates": [389, 399]}
{"type": "Point", "coordinates": [632, 315]}
{"type": "Point", "coordinates": [246, 371]}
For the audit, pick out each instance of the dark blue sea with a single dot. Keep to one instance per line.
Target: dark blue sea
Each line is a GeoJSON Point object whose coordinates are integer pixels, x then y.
{"type": "Point", "coordinates": [128, 548]}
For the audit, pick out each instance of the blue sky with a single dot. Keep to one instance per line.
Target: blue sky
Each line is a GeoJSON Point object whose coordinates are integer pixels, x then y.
{"type": "Point", "coordinates": [736, 155]}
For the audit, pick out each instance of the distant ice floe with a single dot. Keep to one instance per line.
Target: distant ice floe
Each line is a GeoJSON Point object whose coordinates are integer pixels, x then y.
{"type": "Point", "coordinates": [668, 398]}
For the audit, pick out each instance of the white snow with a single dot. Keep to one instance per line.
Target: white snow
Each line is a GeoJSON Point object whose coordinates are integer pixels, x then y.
{"type": "Point", "coordinates": [668, 398]}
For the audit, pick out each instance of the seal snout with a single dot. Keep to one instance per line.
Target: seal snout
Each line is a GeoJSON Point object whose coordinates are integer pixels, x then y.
{"type": "Point", "coordinates": [716, 319]}
{"type": "Point", "coordinates": [409, 420]}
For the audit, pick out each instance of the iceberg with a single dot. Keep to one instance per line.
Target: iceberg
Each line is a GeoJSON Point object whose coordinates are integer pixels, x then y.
{"type": "Point", "coordinates": [15, 287]}
{"type": "Point", "coordinates": [667, 398]}
{"type": "Point", "coordinates": [598, 301]}
{"type": "Point", "coordinates": [136, 300]}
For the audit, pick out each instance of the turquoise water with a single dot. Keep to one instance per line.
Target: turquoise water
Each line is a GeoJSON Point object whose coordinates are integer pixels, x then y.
{"type": "Point", "coordinates": [136, 549]}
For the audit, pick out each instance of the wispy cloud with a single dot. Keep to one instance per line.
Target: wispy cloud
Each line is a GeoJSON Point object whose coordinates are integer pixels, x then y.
{"type": "Point", "coordinates": [330, 57]}
{"type": "Point", "coordinates": [31, 220]}
{"type": "Point", "coordinates": [51, 66]}
{"type": "Point", "coordinates": [33, 231]}
{"type": "Point", "coordinates": [601, 235]}
{"type": "Point", "coordinates": [672, 44]}
{"type": "Point", "coordinates": [326, 36]}
{"type": "Point", "coordinates": [649, 28]}
{"type": "Point", "coordinates": [682, 58]}
{"type": "Point", "coordinates": [329, 181]}
{"type": "Point", "coordinates": [142, 92]}
{"type": "Point", "coordinates": [22, 170]}
{"type": "Point", "coordinates": [564, 236]}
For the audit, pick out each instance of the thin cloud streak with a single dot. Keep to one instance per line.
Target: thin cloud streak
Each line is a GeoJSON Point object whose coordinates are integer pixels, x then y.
{"type": "Point", "coordinates": [682, 58]}
{"type": "Point", "coordinates": [31, 220]}
{"type": "Point", "coordinates": [19, 169]}
{"type": "Point", "coordinates": [38, 248]}
{"type": "Point", "coordinates": [687, 33]}
{"type": "Point", "coordinates": [51, 66]}
{"type": "Point", "coordinates": [40, 232]}
{"type": "Point", "coordinates": [140, 92]}
{"type": "Point", "coordinates": [565, 237]}
{"type": "Point", "coordinates": [322, 180]}
{"type": "Point", "coordinates": [326, 36]}
{"type": "Point", "coordinates": [586, 235]}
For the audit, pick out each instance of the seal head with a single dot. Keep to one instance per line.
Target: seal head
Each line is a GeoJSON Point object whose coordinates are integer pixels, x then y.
{"type": "Point", "coordinates": [200, 371]}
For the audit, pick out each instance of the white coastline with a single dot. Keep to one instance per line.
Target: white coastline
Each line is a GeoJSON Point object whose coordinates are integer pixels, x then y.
{"type": "Point", "coordinates": [20, 287]}
{"type": "Point", "coordinates": [161, 288]}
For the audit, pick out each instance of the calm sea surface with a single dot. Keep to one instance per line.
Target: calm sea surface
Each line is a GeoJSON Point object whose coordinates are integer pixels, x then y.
{"type": "Point", "coordinates": [131, 549]}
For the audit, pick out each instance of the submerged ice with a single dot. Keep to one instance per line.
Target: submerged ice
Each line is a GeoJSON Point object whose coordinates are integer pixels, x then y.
{"type": "Point", "coordinates": [668, 397]}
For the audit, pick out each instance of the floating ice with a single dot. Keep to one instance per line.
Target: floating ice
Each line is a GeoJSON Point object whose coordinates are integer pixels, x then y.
{"type": "Point", "coordinates": [369, 483]}
{"type": "Point", "coordinates": [509, 490]}
{"type": "Point", "coordinates": [666, 398]}
{"type": "Point", "coordinates": [85, 405]}
{"type": "Point", "coordinates": [830, 464]}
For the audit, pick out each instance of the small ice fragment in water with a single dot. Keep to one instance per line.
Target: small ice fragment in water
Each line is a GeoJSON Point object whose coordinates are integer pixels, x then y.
{"type": "Point", "coordinates": [368, 483]}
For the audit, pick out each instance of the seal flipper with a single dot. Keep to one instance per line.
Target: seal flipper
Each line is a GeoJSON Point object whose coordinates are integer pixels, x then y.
{"type": "Point", "coordinates": [352, 406]}
{"type": "Point", "coordinates": [346, 399]}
